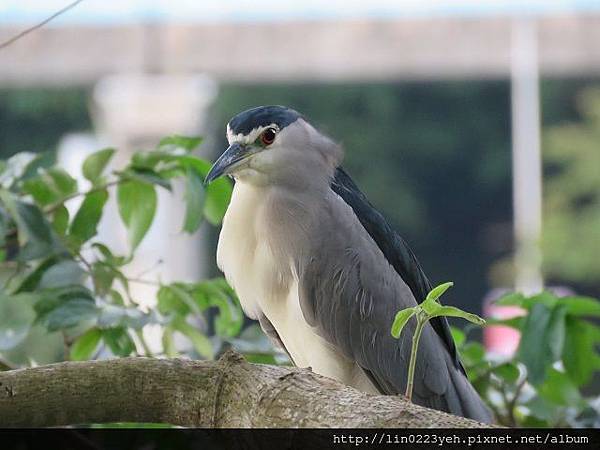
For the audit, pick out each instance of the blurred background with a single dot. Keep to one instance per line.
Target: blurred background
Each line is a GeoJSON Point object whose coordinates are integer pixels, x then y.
{"type": "Point", "coordinates": [473, 125]}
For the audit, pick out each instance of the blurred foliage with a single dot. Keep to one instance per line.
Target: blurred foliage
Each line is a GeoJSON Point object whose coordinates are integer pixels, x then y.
{"type": "Point", "coordinates": [571, 238]}
{"type": "Point", "coordinates": [58, 281]}
{"type": "Point", "coordinates": [543, 383]}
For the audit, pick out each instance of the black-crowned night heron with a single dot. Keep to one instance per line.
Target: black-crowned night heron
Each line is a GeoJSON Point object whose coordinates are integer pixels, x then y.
{"type": "Point", "coordinates": [322, 270]}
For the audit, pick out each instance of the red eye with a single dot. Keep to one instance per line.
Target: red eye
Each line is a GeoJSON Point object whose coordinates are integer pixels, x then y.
{"type": "Point", "coordinates": [268, 136]}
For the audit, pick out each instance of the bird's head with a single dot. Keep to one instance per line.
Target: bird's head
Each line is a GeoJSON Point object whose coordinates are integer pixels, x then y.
{"type": "Point", "coordinates": [276, 145]}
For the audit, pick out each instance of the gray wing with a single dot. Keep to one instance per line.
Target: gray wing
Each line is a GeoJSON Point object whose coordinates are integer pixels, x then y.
{"type": "Point", "coordinates": [350, 293]}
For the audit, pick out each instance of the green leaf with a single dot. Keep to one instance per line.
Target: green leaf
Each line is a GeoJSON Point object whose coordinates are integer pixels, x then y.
{"type": "Point", "coordinates": [65, 307]}
{"type": "Point", "coordinates": [64, 273]}
{"type": "Point", "coordinates": [60, 220]}
{"type": "Point", "coordinates": [401, 319]}
{"type": "Point", "coordinates": [184, 142]}
{"type": "Point", "coordinates": [109, 257]}
{"type": "Point", "coordinates": [103, 275]}
{"type": "Point", "coordinates": [218, 195]}
{"type": "Point", "coordinates": [511, 299]}
{"type": "Point", "coordinates": [194, 199]}
{"type": "Point", "coordinates": [119, 341]}
{"type": "Point", "coordinates": [35, 233]}
{"type": "Point", "coordinates": [94, 164]}
{"type": "Point", "coordinates": [85, 223]}
{"type": "Point", "coordinates": [32, 280]}
{"type": "Point", "coordinates": [40, 190]}
{"type": "Point", "coordinates": [545, 298]}
{"type": "Point", "coordinates": [542, 340]}
{"type": "Point", "coordinates": [513, 322]}
{"type": "Point", "coordinates": [579, 350]}
{"type": "Point", "coordinates": [451, 311]}
{"type": "Point", "coordinates": [137, 206]}
{"type": "Point", "coordinates": [581, 306]}
{"type": "Point", "coordinates": [111, 316]}
{"type": "Point", "coordinates": [201, 343]}
{"type": "Point", "coordinates": [458, 336]}
{"type": "Point", "coordinates": [169, 301]}
{"type": "Point", "coordinates": [508, 372]}
{"type": "Point", "coordinates": [472, 353]}
{"type": "Point", "coordinates": [84, 345]}
{"type": "Point", "coordinates": [64, 184]}
{"type": "Point", "coordinates": [217, 293]}
{"type": "Point", "coordinates": [438, 291]}
{"type": "Point", "coordinates": [559, 389]}
{"type": "Point", "coordinates": [431, 304]}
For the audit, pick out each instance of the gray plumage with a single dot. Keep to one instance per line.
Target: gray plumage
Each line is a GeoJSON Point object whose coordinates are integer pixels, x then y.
{"type": "Point", "coordinates": [320, 268]}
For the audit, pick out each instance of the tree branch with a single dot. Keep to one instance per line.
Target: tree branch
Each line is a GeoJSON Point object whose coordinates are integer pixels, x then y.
{"type": "Point", "coordinates": [229, 392]}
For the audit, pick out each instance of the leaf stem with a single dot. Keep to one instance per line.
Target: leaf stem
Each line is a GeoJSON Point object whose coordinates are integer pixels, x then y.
{"type": "Point", "coordinates": [421, 321]}
{"type": "Point", "coordinates": [51, 208]}
{"type": "Point", "coordinates": [145, 346]}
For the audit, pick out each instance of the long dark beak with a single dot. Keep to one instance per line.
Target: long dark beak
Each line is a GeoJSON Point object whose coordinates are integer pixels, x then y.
{"type": "Point", "coordinates": [234, 154]}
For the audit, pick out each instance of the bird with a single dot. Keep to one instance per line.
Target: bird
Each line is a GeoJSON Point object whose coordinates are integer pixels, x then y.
{"type": "Point", "coordinates": [322, 270]}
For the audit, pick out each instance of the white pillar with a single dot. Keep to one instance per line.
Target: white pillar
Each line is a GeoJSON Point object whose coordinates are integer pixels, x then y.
{"type": "Point", "coordinates": [526, 156]}
{"type": "Point", "coordinates": [133, 112]}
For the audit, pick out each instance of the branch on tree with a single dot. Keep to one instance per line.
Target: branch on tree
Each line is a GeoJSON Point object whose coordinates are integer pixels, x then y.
{"type": "Point", "coordinates": [229, 392]}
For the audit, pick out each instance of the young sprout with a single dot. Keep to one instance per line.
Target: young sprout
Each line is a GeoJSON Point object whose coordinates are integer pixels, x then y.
{"type": "Point", "coordinates": [427, 310]}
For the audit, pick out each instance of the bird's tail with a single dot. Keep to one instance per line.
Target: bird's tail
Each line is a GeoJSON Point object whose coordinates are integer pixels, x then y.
{"type": "Point", "coordinates": [465, 400]}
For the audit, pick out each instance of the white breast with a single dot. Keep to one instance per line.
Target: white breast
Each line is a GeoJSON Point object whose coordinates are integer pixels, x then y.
{"type": "Point", "coordinates": [265, 282]}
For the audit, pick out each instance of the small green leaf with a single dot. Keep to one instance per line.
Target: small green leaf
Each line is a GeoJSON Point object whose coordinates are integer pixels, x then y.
{"type": "Point", "coordinates": [542, 340]}
{"type": "Point", "coordinates": [508, 372]}
{"type": "Point", "coordinates": [35, 234]}
{"type": "Point", "coordinates": [439, 290]}
{"type": "Point", "coordinates": [451, 311]}
{"type": "Point", "coordinates": [581, 306]}
{"type": "Point", "coordinates": [201, 343]}
{"type": "Point", "coordinates": [217, 293]}
{"type": "Point", "coordinates": [85, 223]}
{"type": "Point", "coordinates": [184, 142]}
{"type": "Point", "coordinates": [94, 164]}
{"type": "Point", "coordinates": [84, 345]}
{"type": "Point", "coordinates": [169, 302]}
{"type": "Point", "coordinates": [511, 299]}
{"type": "Point", "coordinates": [472, 353]}
{"type": "Point", "coordinates": [218, 195]}
{"type": "Point", "coordinates": [194, 201]}
{"type": "Point", "coordinates": [32, 280]}
{"type": "Point", "coordinates": [579, 352]}
{"type": "Point", "coordinates": [103, 275]}
{"type": "Point", "coordinates": [60, 220]}
{"type": "Point", "coordinates": [559, 389]}
{"type": "Point", "coordinates": [137, 206]}
{"type": "Point", "coordinates": [108, 256]}
{"type": "Point", "coordinates": [458, 336]}
{"type": "Point", "coordinates": [401, 319]}
{"type": "Point", "coordinates": [65, 307]}
{"type": "Point", "coordinates": [40, 190]}
{"type": "Point", "coordinates": [119, 341]}
{"type": "Point", "coordinates": [64, 184]}
{"type": "Point", "coordinates": [64, 273]}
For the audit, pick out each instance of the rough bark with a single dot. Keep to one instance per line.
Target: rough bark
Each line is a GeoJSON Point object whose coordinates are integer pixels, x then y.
{"type": "Point", "coordinates": [229, 392]}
